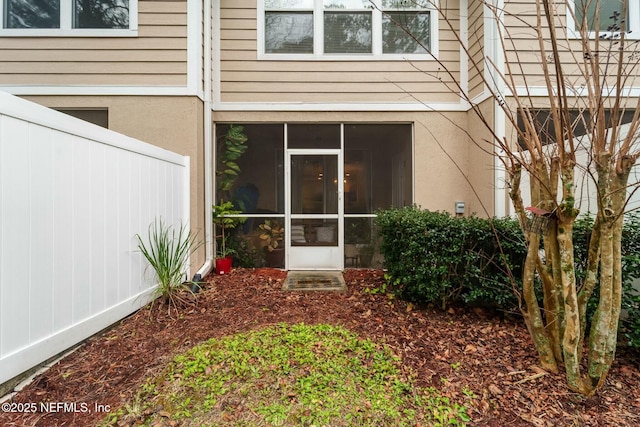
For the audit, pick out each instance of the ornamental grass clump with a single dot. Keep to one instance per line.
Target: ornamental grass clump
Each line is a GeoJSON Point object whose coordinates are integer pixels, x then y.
{"type": "Point", "coordinates": [167, 250]}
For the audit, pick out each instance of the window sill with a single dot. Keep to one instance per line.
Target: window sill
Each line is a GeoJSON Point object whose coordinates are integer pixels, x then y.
{"type": "Point", "coordinates": [346, 57]}
{"type": "Point", "coordinates": [575, 35]}
{"type": "Point", "coordinates": [56, 32]}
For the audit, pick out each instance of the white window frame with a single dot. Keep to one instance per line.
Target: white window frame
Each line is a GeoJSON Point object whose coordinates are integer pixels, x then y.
{"type": "Point", "coordinates": [376, 38]}
{"type": "Point", "coordinates": [633, 24]}
{"type": "Point", "coordinates": [66, 25]}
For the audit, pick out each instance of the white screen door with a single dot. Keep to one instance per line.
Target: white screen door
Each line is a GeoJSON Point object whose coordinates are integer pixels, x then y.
{"type": "Point", "coordinates": [314, 209]}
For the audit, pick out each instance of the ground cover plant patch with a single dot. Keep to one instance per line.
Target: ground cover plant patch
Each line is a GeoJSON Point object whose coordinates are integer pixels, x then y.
{"type": "Point", "coordinates": [289, 375]}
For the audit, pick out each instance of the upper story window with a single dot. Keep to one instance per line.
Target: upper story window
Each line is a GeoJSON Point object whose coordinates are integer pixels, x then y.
{"type": "Point", "coordinates": [605, 17]}
{"type": "Point", "coordinates": [403, 24]}
{"type": "Point", "coordinates": [68, 17]}
{"type": "Point", "coordinates": [353, 29]}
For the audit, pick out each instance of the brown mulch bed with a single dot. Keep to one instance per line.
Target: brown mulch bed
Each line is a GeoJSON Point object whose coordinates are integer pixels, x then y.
{"type": "Point", "coordinates": [452, 351]}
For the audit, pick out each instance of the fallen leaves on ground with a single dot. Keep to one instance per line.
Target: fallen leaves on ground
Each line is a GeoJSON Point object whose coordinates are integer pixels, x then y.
{"type": "Point", "coordinates": [458, 352]}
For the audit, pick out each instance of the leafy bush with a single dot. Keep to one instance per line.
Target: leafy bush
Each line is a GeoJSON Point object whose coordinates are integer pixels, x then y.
{"type": "Point", "coordinates": [434, 257]}
{"type": "Point", "coordinates": [223, 217]}
{"type": "Point", "coordinates": [244, 255]}
{"type": "Point", "coordinates": [631, 324]}
{"type": "Point", "coordinates": [231, 146]}
{"type": "Point", "coordinates": [630, 271]}
{"type": "Point", "coordinates": [631, 274]}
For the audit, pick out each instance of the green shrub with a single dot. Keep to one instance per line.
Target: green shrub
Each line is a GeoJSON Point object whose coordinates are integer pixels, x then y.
{"type": "Point", "coordinates": [433, 257]}
{"type": "Point", "coordinates": [630, 270]}
{"type": "Point", "coordinates": [630, 247]}
{"type": "Point", "coordinates": [631, 273]}
{"type": "Point", "coordinates": [244, 255]}
{"type": "Point", "coordinates": [436, 258]}
{"type": "Point", "coordinates": [631, 324]}
{"type": "Point", "coordinates": [493, 286]}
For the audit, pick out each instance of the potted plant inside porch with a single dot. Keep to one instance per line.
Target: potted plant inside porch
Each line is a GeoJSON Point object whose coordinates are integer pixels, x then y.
{"type": "Point", "coordinates": [272, 233]}
{"type": "Point", "coordinates": [357, 239]}
{"type": "Point", "coordinates": [224, 219]}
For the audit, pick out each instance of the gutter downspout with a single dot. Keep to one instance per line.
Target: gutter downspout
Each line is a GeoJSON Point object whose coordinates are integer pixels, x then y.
{"type": "Point", "coordinates": [208, 142]}
{"type": "Point", "coordinates": [501, 206]}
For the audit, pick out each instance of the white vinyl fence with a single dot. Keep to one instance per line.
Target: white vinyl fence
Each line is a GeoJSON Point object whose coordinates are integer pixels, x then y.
{"type": "Point", "coordinates": [586, 191]}
{"type": "Point", "coordinates": [72, 197]}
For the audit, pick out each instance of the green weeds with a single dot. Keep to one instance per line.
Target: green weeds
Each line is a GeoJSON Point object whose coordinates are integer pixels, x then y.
{"type": "Point", "coordinates": [290, 375]}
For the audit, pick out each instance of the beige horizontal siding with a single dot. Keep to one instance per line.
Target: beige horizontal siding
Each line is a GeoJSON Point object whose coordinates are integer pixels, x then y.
{"type": "Point", "coordinates": [87, 68]}
{"type": "Point", "coordinates": [348, 77]}
{"type": "Point", "coordinates": [333, 97]}
{"type": "Point", "coordinates": [244, 78]}
{"type": "Point", "coordinates": [167, 19]}
{"type": "Point", "coordinates": [156, 57]}
{"type": "Point", "coordinates": [64, 44]}
{"type": "Point", "coordinates": [524, 55]}
{"type": "Point", "coordinates": [92, 55]}
{"type": "Point", "coordinates": [331, 87]}
{"type": "Point", "coordinates": [162, 6]}
{"type": "Point", "coordinates": [247, 12]}
{"type": "Point", "coordinates": [92, 79]}
{"type": "Point", "coordinates": [476, 48]}
{"type": "Point", "coordinates": [520, 8]}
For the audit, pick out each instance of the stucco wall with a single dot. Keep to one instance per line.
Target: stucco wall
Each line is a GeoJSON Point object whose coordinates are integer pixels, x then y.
{"type": "Point", "coordinates": [438, 183]}
{"type": "Point", "coordinates": [482, 161]}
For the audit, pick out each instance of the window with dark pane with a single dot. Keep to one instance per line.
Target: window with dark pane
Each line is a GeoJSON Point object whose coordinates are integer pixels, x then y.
{"type": "Point", "coordinates": [32, 14]}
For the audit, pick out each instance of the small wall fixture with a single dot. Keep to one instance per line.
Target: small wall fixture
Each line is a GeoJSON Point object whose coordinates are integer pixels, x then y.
{"type": "Point", "coordinates": [459, 208]}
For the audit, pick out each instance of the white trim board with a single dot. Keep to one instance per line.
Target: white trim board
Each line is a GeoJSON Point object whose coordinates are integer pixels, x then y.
{"type": "Point", "coordinates": [194, 46]}
{"type": "Point", "coordinates": [309, 106]}
{"type": "Point", "coordinates": [571, 91]}
{"type": "Point", "coordinates": [99, 90]}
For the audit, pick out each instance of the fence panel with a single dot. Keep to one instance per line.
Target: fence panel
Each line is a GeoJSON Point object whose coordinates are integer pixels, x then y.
{"type": "Point", "coordinates": [586, 190]}
{"type": "Point", "coordinates": [72, 197]}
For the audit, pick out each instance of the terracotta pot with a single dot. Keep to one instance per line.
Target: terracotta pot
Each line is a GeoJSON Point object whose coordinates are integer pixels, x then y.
{"type": "Point", "coordinates": [223, 265]}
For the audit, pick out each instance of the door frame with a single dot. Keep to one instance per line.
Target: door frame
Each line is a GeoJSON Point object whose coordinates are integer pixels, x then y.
{"type": "Point", "coordinates": [318, 253]}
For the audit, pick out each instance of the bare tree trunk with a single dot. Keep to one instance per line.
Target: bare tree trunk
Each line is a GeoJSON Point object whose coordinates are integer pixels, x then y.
{"type": "Point", "coordinates": [603, 335]}
{"type": "Point", "coordinates": [531, 312]}
{"type": "Point", "coordinates": [591, 278]}
{"type": "Point", "coordinates": [601, 69]}
{"type": "Point", "coordinates": [571, 338]}
{"type": "Point", "coordinates": [553, 295]}
{"type": "Point", "coordinates": [552, 289]}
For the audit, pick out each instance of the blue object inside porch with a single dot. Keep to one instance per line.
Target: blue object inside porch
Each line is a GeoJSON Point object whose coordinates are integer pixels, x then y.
{"type": "Point", "coordinates": [245, 199]}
